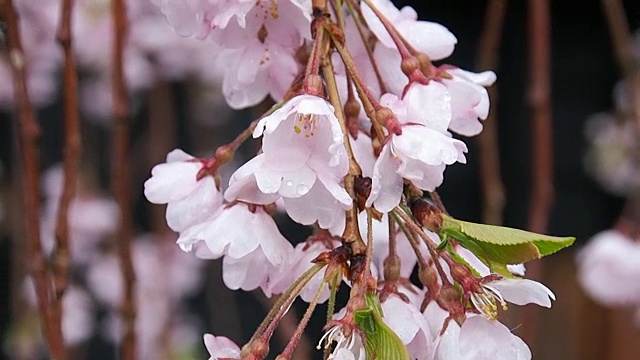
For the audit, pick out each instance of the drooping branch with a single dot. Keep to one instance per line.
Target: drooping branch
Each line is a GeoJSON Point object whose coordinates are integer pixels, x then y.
{"type": "Point", "coordinates": [29, 146]}
{"type": "Point", "coordinates": [540, 103]}
{"type": "Point", "coordinates": [72, 146]}
{"type": "Point", "coordinates": [492, 187]}
{"type": "Point", "coordinates": [121, 178]}
{"type": "Point", "coordinates": [542, 194]}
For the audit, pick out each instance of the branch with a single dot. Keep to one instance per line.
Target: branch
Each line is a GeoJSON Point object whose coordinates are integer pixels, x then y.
{"type": "Point", "coordinates": [542, 194]}
{"type": "Point", "coordinates": [540, 102]}
{"type": "Point", "coordinates": [29, 131]}
{"type": "Point", "coordinates": [492, 187]}
{"type": "Point", "coordinates": [121, 178]}
{"type": "Point", "coordinates": [72, 146]}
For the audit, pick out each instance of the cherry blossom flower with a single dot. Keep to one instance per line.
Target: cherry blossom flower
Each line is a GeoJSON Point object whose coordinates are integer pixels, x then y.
{"type": "Point", "coordinates": [249, 240]}
{"type": "Point", "coordinates": [480, 338]}
{"type": "Point", "coordinates": [190, 200]}
{"type": "Point", "coordinates": [429, 37]}
{"type": "Point", "coordinates": [258, 58]}
{"type": "Point", "coordinates": [347, 347]}
{"type": "Point", "coordinates": [420, 154]}
{"type": "Point", "coordinates": [303, 161]}
{"type": "Point", "coordinates": [469, 99]}
{"type": "Point", "coordinates": [220, 347]}
{"type": "Point", "coordinates": [608, 269]}
{"type": "Point", "coordinates": [610, 159]}
{"type": "Point", "coordinates": [517, 291]}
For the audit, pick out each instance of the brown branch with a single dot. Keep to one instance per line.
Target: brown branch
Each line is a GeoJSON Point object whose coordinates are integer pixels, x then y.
{"type": "Point", "coordinates": [161, 140]}
{"type": "Point", "coordinates": [492, 187]}
{"type": "Point", "coordinates": [540, 102]}
{"type": "Point", "coordinates": [121, 178]}
{"type": "Point", "coordinates": [542, 194]}
{"type": "Point", "coordinates": [29, 131]}
{"type": "Point", "coordinates": [72, 145]}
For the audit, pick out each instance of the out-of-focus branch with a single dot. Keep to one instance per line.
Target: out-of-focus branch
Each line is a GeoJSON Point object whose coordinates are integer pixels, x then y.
{"type": "Point", "coordinates": [492, 187]}
{"type": "Point", "coordinates": [540, 102]}
{"type": "Point", "coordinates": [72, 144]}
{"type": "Point", "coordinates": [542, 194]}
{"type": "Point", "coordinates": [29, 138]}
{"type": "Point", "coordinates": [162, 139]}
{"type": "Point", "coordinates": [623, 46]}
{"type": "Point", "coordinates": [121, 178]}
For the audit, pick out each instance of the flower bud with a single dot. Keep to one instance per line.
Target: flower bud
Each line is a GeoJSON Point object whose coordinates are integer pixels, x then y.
{"type": "Point", "coordinates": [386, 117]}
{"type": "Point", "coordinates": [426, 214]}
{"type": "Point", "coordinates": [410, 65]}
{"type": "Point", "coordinates": [392, 268]}
{"type": "Point", "coordinates": [362, 187]}
{"type": "Point", "coordinates": [313, 85]}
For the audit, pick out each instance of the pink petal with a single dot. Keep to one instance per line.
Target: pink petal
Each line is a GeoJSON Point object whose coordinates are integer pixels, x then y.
{"type": "Point", "coordinates": [386, 188]}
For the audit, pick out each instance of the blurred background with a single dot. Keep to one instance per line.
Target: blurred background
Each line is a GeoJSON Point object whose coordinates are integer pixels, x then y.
{"type": "Point", "coordinates": [176, 102]}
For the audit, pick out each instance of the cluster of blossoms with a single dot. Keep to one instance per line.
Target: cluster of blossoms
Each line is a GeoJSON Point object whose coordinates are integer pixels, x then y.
{"type": "Point", "coordinates": [153, 53]}
{"type": "Point", "coordinates": [355, 145]}
{"type": "Point", "coordinates": [166, 278]}
{"type": "Point", "coordinates": [609, 264]}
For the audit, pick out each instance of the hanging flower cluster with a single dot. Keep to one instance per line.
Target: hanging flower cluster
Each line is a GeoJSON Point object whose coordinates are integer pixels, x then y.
{"type": "Point", "coordinates": [356, 144]}
{"type": "Point", "coordinates": [609, 264]}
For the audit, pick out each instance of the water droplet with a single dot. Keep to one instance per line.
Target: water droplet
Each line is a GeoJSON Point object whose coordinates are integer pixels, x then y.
{"type": "Point", "coordinates": [289, 183]}
{"type": "Point", "coordinates": [303, 189]}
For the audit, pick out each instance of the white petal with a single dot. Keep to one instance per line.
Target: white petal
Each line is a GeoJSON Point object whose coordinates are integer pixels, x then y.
{"type": "Point", "coordinates": [326, 209]}
{"type": "Point", "coordinates": [176, 155]}
{"type": "Point", "coordinates": [221, 347]}
{"type": "Point", "coordinates": [386, 187]}
{"type": "Point", "coordinates": [431, 38]}
{"type": "Point", "coordinates": [201, 204]}
{"type": "Point", "coordinates": [481, 338]}
{"type": "Point", "coordinates": [171, 181]}
{"type": "Point", "coordinates": [429, 105]}
{"type": "Point", "coordinates": [246, 273]}
{"type": "Point", "coordinates": [524, 291]}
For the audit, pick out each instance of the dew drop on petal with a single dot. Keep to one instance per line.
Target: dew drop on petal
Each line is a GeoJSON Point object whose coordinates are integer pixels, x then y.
{"type": "Point", "coordinates": [303, 189]}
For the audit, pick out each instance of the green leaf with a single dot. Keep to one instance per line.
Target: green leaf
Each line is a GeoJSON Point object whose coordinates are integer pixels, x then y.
{"type": "Point", "coordinates": [498, 246]}
{"type": "Point", "coordinates": [380, 342]}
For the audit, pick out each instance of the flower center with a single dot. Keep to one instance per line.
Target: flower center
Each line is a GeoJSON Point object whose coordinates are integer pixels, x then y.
{"type": "Point", "coordinates": [335, 334]}
{"type": "Point", "coordinates": [487, 301]}
{"type": "Point", "coordinates": [305, 124]}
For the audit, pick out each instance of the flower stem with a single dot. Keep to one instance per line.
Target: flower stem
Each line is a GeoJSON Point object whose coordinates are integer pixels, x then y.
{"type": "Point", "coordinates": [291, 345]}
{"type": "Point", "coordinates": [358, 21]}
{"type": "Point", "coordinates": [331, 307]}
{"type": "Point", "coordinates": [431, 245]}
{"type": "Point", "coordinates": [286, 298]}
{"type": "Point", "coordinates": [351, 233]}
{"type": "Point", "coordinates": [404, 51]}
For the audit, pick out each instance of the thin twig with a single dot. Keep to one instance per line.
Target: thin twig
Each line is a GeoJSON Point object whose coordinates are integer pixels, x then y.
{"type": "Point", "coordinates": [492, 187]}
{"type": "Point", "coordinates": [542, 193]}
{"type": "Point", "coordinates": [121, 178]}
{"type": "Point", "coordinates": [29, 145]}
{"type": "Point", "coordinates": [72, 146]}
